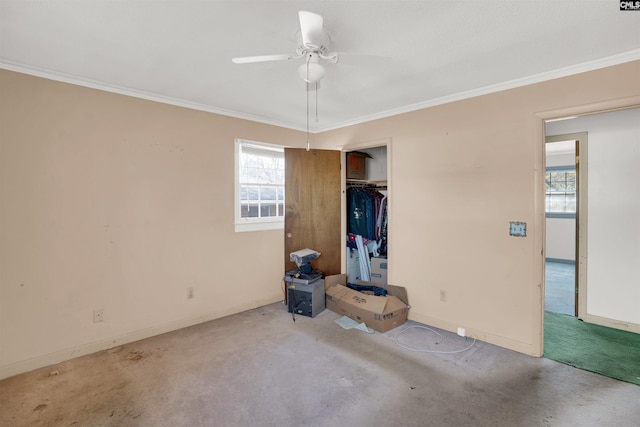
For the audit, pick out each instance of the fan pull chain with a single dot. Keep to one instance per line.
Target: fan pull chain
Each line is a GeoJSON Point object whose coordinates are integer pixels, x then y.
{"type": "Point", "coordinates": [317, 120]}
{"type": "Point", "coordinates": [308, 143]}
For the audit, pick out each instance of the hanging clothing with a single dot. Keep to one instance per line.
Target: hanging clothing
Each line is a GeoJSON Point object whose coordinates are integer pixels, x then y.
{"type": "Point", "coordinates": [383, 246]}
{"type": "Point", "coordinates": [367, 216]}
{"type": "Point", "coordinates": [360, 209]}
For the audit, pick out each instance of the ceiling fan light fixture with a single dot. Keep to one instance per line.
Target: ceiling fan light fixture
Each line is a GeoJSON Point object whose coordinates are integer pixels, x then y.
{"type": "Point", "coordinates": [311, 72]}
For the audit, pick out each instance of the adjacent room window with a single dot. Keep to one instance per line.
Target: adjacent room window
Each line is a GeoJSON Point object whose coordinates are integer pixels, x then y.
{"type": "Point", "coordinates": [560, 185]}
{"type": "Point", "coordinates": [259, 186]}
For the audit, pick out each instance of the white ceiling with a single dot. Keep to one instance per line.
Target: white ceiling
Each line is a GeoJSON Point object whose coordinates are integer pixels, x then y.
{"type": "Point", "coordinates": [442, 50]}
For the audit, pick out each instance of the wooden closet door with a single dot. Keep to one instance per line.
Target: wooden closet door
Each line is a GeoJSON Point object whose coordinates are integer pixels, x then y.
{"type": "Point", "coordinates": [312, 206]}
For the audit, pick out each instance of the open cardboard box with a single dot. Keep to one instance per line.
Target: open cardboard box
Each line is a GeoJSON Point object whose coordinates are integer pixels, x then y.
{"type": "Point", "coordinates": [357, 165]}
{"type": "Point", "coordinates": [379, 313]}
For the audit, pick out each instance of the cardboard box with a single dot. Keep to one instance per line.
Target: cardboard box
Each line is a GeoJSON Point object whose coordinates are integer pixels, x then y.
{"type": "Point", "coordinates": [379, 267]}
{"type": "Point", "coordinates": [336, 279]}
{"type": "Point", "coordinates": [357, 165]}
{"type": "Point", "coordinates": [379, 313]}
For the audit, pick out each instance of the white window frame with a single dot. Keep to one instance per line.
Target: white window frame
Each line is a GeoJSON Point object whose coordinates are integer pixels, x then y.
{"type": "Point", "coordinates": [252, 224]}
{"type": "Point", "coordinates": [560, 214]}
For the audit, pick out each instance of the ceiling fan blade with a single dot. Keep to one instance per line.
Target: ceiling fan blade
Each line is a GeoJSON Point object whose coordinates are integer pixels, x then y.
{"type": "Point", "coordinates": [265, 58]}
{"type": "Point", "coordinates": [310, 29]}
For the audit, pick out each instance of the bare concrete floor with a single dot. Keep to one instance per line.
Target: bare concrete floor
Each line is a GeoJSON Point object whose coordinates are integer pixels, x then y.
{"type": "Point", "coordinates": [259, 368]}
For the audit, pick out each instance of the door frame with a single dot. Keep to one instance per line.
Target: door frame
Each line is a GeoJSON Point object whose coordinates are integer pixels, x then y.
{"type": "Point", "coordinates": [355, 146]}
{"type": "Point", "coordinates": [539, 193]}
{"type": "Point", "coordinates": [580, 245]}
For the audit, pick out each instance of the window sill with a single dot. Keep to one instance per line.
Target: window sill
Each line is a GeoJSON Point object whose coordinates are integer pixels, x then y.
{"type": "Point", "coordinates": [566, 215]}
{"type": "Point", "coordinates": [241, 227]}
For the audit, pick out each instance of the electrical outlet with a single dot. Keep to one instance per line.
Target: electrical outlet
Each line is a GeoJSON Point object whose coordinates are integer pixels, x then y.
{"type": "Point", "coordinates": [462, 332]}
{"type": "Point", "coordinates": [189, 293]}
{"type": "Point", "coordinates": [443, 295]}
{"type": "Point", "coordinates": [98, 316]}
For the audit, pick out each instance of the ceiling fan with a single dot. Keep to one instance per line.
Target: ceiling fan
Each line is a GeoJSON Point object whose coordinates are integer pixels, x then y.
{"type": "Point", "coordinates": [314, 47]}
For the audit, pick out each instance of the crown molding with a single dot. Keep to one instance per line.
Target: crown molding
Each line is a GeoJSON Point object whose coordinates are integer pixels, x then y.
{"type": "Point", "coordinates": [621, 58]}
{"type": "Point", "coordinates": [121, 90]}
{"type": "Point", "coordinates": [629, 56]}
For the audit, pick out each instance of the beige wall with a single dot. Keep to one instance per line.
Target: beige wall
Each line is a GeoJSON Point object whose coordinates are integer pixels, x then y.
{"type": "Point", "coordinates": [117, 203]}
{"type": "Point", "coordinates": [458, 174]}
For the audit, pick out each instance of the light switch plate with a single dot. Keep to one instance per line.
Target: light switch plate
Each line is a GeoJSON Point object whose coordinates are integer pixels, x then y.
{"type": "Point", "coordinates": [517, 228]}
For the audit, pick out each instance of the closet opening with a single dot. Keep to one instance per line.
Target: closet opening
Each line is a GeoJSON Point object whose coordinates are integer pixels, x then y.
{"type": "Point", "coordinates": [367, 214]}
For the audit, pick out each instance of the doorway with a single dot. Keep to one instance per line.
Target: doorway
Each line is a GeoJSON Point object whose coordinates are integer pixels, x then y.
{"type": "Point", "coordinates": [606, 214]}
{"type": "Point", "coordinates": [562, 208]}
{"type": "Point", "coordinates": [366, 202]}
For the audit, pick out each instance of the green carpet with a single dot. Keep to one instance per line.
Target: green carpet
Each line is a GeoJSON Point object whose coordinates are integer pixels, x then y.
{"type": "Point", "coordinates": [610, 352]}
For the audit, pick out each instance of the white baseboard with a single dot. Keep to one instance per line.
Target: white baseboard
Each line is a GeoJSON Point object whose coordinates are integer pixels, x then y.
{"type": "Point", "coordinates": [107, 343]}
{"type": "Point", "coordinates": [612, 323]}
{"type": "Point", "coordinates": [521, 347]}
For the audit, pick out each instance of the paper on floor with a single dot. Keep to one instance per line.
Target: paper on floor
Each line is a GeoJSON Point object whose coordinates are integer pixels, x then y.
{"type": "Point", "coordinates": [348, 323]}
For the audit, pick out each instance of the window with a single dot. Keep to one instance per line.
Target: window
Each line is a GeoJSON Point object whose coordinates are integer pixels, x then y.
{"type": "Point", "coordinates": [560, 183]}
{"type": "Point", "coordinates": [259, 186]}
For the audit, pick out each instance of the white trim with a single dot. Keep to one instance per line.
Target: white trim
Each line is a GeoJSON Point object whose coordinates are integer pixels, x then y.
{"type": "Point", "coordinates": [611, 323]}
{"type": "Point", "coordinates": [108, 87]}
{"type": "Point", "coordinates": [539, 201]}
{"type": "Point", "coordinates": [242, 225]}
{"type": "Point", "coordinates": [608, 61]}
{"type": "Point", "coordinates": [530, 348]}
{"type": "Point", "coordinates": [361, 145]}
{"type": "Point", "coordinates": [580, 246]}
{"type": "Point", "coordinates": [621, 58]}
